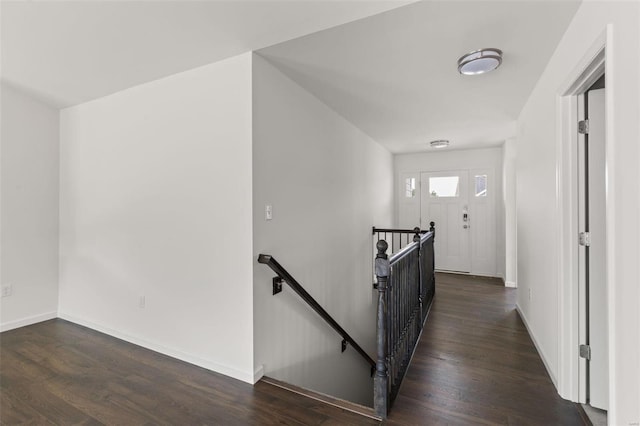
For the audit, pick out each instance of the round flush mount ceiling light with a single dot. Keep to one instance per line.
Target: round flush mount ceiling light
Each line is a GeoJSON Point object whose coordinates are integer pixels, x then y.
{"type": "Point", "coordinates": [480, 61]}
{"type": "Point", "coordinates": [442, 143]}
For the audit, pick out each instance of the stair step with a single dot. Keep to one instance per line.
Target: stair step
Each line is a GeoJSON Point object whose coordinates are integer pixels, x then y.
{"type": "Point", "coordinates": [327, 399]}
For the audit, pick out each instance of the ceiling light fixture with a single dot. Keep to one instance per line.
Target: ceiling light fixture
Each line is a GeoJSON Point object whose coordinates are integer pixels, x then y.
{"type": "Point", "coordinates": [442, 143]}
{"type": "Point", "coordinates": [480, 61]}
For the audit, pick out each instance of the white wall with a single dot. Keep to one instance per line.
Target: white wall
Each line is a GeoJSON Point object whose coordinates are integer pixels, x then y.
{"type": "Point", "coordinates": [155, 201]}
{"type": "Point", "coordinates": [537, 184]}
{"type": "Point", "coordinates": [329, 183]}
{"type": "Point", "coordinates": [29, 175]}
{"type": "Point", "coordinates": [509, 151]}
{"type": "Point", "coordinates": [487, 158]}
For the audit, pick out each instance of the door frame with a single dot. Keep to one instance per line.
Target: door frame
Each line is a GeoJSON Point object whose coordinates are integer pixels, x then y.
{"type": "Point", "coordinates": [593, 259]}
{"type": "Point", "coordinates": [571, 378]}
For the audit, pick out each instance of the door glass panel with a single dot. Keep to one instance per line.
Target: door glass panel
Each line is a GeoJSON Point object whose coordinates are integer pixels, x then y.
{"type": "Point", "coordinates": [410, 187]}
{"type": "Point", "coordinates": [481, 185]}
{"type": "Point", "coordinates": [447, 186]}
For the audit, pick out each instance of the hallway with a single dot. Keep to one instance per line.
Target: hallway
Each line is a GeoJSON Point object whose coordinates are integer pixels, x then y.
{"type": "Point", "coordinates": [476, 364]}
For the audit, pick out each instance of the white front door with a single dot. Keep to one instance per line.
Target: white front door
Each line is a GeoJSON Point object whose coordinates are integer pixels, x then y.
{"type": "Point", "coordinates": [444, 199]}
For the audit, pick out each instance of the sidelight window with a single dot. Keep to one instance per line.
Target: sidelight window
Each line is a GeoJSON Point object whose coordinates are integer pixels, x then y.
{"type": "Point", "coordinates": [481, 185]}
{"type": "Point", "coordinates": [410, 187]}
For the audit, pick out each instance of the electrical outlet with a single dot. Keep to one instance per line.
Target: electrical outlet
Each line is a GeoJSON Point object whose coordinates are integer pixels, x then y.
{"type": "Point", "coordinates": [142, 301]}
{"type": "Point", "coordinates": [268, 212]}
{"type": "Point", "coordinates": [7, 290]}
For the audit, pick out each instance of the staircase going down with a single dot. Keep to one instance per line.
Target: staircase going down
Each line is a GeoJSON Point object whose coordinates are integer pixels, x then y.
{"type": "Point", "coordinates": [326, 399]}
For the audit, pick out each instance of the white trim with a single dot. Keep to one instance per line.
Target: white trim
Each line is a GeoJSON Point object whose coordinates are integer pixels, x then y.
{"type": "Point", "coordinates": [538, 347]}
{"type": "Point", "coordinates": [590, 68]}
{"type": "Point", "coordinates": [258, 374]}
{"type": "Point", "coordinates": [247, 377]}
{"type": "Point", "coordinates": [468, 274]}
{"type": "Point", "coordinates": [595, 61]}
{"type": "Point", "coordinates": [610, 165]}
{"type": "Point", "coordinates": [579, 185]}
{"type": "Point", "coordinates": [23, 322]}
{"type": "Point", "coordinates": [510, 284]}
{"type": "Point", "coordinates": [566, 236]}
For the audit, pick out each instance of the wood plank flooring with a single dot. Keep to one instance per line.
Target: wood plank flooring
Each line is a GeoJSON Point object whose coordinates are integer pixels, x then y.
{"type": "Point", "coordinates": [475, 364]}
{"type": "Point", "coordinates": [60, 373]}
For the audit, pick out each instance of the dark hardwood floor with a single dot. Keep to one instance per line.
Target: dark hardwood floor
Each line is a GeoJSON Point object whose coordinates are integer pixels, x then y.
{"type": "Point", "coordinates": [475, 364]}
{"type": "Point", "coordinates": [60, 373]}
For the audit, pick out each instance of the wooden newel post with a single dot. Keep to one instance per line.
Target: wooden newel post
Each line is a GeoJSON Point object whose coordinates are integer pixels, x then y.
{"type": "Point", "coordinates": [416, 237]}
{"type": "Point", "coordinates": [381, 380]}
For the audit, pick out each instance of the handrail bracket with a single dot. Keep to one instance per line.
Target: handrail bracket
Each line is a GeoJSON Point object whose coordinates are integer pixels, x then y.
{"type": "Point", "coordinates": [283, 276]}
{"type": "Point", "coordinates": [277, 285]}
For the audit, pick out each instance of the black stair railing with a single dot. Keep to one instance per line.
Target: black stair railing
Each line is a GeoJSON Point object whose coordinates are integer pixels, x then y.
{"type": "Point", "coordinates": [406, 288]}
{"type": "Point", "coordinates": [284, 275]}
{"type": "Point", "coordinates": [396, 238]}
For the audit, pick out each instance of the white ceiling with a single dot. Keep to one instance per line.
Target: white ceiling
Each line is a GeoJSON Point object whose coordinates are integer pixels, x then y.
{"type": "Point", "coordinates": [394, 75]}
{"type": "Point", "coordinates": [69, 52]}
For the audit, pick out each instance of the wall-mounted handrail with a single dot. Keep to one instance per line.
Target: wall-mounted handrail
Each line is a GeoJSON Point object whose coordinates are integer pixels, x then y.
{"type": "Point", "coordinates": [293, 283]}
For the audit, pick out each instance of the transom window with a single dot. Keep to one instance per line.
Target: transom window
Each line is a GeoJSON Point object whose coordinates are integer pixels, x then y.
{"type": "Point", "coordinates": [446, 186]}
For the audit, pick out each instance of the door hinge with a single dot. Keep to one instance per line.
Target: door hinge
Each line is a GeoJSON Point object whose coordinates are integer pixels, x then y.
{"type": "Point", "coordinates": [584, 239]}
{"type": "Point", "coordinates": [583, 127]}
{"type": "Point", "coordinates": [585, 352]}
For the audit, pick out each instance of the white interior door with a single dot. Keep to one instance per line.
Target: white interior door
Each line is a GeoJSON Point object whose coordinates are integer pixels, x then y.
{"type": "Point", "coordinates": [595, 252]}
{"type": "Point", "coordinates": [444, 199]}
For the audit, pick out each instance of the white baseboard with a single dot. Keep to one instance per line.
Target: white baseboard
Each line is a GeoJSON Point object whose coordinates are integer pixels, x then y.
{"type": "Point", "coordinates": [538, 347]}
{"type": "Point", "coordinates": [510, 284]}
{"type": "Point", "coordinates": [258, 373]}
{"type": "Point", "coordinates": [23, 322]}
{"type": "Point", "coordinates": [247, 377]}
